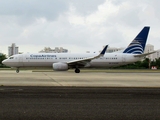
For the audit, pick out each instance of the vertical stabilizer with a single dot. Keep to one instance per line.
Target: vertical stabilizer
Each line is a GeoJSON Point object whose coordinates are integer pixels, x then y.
{"type": "Point", "coordinates": [137, 46]}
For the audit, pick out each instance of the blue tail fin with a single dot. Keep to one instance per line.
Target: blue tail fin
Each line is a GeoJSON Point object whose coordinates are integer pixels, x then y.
{"type": "Point", "coordinates": [137, 46]}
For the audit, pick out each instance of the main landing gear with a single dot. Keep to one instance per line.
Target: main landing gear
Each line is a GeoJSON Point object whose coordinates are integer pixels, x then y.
{"type": "Point", "coordinates": [17, 70]}
{"type": "Point", "coordinates": [77, 70]}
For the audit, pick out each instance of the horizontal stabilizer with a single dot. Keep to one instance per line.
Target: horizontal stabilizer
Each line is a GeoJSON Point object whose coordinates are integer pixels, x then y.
{"type": "Point", "coordinates": [145, 54]}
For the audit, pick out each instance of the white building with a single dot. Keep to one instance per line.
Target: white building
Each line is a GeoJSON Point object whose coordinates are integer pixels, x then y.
{"type": "Point", "coordinates": [56, 50]}
{"type": "Point", "coordinates": [12, 50]}
{"type": "Point", "coordinates": [113, 49]}
{"type": "Point", "coordinates": [62, 50]}
{"type": "Point", "coordinates": [157, 54]}
{"type": "Point", "coordinates": [150, 48]}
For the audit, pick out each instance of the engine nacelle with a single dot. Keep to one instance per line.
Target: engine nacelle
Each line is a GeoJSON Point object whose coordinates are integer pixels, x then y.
{"type": "Point", "coordinates": [60, 66]}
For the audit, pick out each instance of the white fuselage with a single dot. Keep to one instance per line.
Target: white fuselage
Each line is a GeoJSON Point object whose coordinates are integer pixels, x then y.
{"type": "Point", "coordinates": [47, 59]}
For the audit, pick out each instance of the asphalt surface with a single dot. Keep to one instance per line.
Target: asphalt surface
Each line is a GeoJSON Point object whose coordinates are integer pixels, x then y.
{"type": "Point", "coordinates": [79, 103]}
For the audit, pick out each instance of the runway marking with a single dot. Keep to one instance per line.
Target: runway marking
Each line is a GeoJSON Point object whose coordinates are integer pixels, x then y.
{"type": "Point", "coordinates": [52, 79]}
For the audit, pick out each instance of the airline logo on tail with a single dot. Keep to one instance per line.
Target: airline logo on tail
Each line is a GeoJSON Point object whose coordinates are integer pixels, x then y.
{"type": "Point", "coordinates": [137, 46]}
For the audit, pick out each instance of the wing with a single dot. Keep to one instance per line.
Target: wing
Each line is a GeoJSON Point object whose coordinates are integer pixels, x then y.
{"type": "Point", "coordinates": [84, 62]}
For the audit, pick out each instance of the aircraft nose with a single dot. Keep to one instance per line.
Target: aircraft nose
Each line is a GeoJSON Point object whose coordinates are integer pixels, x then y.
{"type": "Point", "coordinates": [4, 62]}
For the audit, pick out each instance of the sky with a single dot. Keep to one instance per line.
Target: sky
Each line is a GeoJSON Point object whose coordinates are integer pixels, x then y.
{"type": "Point", "coordinates": [77, 25]}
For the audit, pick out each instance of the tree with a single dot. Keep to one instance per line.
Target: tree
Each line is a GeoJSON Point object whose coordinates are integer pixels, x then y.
{"type": "Point", "coordinates": [2, 57]}
{"type": "Point", "coordinates": [157, 62]}
{"type": "Point", "coordinates": [145, 63]}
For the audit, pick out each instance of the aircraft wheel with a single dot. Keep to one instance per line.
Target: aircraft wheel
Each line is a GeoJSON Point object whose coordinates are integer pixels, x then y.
{"type": "Point", "coordinates": [77, 70]}
{"type": "Point", "coordinates": [17, 71]}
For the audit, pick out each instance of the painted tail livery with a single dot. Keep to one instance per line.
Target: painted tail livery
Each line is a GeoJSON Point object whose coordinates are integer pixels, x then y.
{"type": "Point", "coordinates": [137, 46]}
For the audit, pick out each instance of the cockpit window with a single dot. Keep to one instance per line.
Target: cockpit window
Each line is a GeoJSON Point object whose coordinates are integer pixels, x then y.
{"type": "Point", "coordinates": [11, 58]}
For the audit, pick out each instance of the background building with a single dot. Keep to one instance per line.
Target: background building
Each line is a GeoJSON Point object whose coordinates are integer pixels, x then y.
{"type": "Point", "coordinates": [150, 48]}
{"type": "Point", "coordinates": [56, 50]}
{"type": "Point", "coordinates": [12, 50]}
{"type": "Point", "coordinates": [113, 49]}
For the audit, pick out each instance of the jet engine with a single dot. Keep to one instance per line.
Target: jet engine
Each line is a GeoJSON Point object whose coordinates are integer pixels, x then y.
{"type": "Point", "coordinates": [60, 66]}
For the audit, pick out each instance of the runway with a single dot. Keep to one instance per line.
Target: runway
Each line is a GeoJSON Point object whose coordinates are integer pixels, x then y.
{"type": "Point", "coordinates": [86, 79]}
{"type": "Point", "coordinates": [84, 96]}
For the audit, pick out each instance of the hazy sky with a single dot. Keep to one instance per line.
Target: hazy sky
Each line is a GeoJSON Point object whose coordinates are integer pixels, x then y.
{"type": "Point", "coordinates": [78, 25]}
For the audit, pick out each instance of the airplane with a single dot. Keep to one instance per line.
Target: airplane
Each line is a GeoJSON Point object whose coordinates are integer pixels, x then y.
{"type": "Point", "coordinates": [65, 61]}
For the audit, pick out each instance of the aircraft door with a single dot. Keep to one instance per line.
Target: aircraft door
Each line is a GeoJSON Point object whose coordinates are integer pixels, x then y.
{"type": "Point", "coordinates": [123, 58]}
{"type": "Point", "coordinates": [26, 60]}
{"type": "Point", "coordinates": [20, 60]}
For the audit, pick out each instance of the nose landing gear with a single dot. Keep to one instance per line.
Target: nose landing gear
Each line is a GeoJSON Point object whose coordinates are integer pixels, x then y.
{"type": "Point", "coordinates": [17, 70]}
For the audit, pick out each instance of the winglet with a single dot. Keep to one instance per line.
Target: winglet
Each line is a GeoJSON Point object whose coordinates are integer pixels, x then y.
{"type": "Point", "coordinates": [103, 51]}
